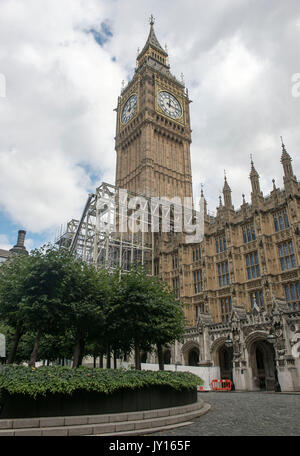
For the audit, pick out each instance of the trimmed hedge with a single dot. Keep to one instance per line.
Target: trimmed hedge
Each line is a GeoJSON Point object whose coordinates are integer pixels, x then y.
{"type": "Point", "coordinates": [57, 379]}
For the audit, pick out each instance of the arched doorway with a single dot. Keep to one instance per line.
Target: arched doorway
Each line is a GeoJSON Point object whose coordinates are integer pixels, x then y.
{"type": "Point", "coordinates": [262, 360]}
{"type": "Point", "coordinates": [193, 357]}
{"type": "Point", "coordinates": [167, 356]}
{"type": "Point", "coordinates": [191, 353]}
{"type": "Point", "coordinates": [226, 363]}
{"type": "Point", "coordinates": [144, 357]}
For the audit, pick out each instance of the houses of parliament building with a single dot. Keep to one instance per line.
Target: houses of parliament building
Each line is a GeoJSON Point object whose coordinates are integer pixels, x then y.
{"type": "Point", "coordinates": [241, 284]}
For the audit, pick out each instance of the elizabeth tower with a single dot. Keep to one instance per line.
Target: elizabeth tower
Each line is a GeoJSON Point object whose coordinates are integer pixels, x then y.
{"type": "Point", "coordinates": [153, 134]}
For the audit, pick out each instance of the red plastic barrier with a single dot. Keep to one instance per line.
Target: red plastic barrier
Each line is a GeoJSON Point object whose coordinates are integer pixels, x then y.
{"type": "Point", "coordinates": [221, 385]}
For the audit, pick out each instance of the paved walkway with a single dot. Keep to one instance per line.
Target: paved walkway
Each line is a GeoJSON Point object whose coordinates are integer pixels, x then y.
{"type": "Point", "coordinates": [245, 414]}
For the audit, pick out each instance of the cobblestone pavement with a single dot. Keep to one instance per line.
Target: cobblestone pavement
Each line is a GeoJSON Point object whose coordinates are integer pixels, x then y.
{"type": "Point", "coordinates": [245, 414]}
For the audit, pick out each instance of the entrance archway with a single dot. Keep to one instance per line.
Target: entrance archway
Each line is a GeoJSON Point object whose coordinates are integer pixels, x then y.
{"type": "Point", "coordinates": [262, 361]}
{"type": "Point", "coordinates": [167, 356]}
{"type": "Point", "coordinates": [225, 360]}
{"type": "Point", "coordinates": [144, 357]}
{"type": "Point", "coordinates": [191, 353]}
{"type": "Point", "coordinates": [193, 358]}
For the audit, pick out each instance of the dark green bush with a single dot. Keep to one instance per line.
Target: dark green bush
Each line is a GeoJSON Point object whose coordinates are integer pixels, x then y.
{"type": "Point", "coordinates": [57, 379]}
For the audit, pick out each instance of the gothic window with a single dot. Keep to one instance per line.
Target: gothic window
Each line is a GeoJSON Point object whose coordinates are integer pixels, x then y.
{"type": "Point", "coordinates": [226, 308]}
{"type": "Point", "coordinates": [286, 255]}
{"type": "Point", "coordinates": [281, 221]}
{"type": "Point", "coordinates": [175, 261]}
{"type": "Point", "coordinates": [257, 297]}
{"type": "Point", "coordinates": [252, 265]}
{"type": "Point", "coordinates": [248, 233]}
{"type": "Point", "coordinates": [292, 294]}
{"type": "Point", "coordinates": [199, 308]}
{"type": "Point", "coordinates": [156, 267]}
{"type": "Point", "coordinates": [198, 283]}
{"type": "Point", "coordinates": [196, 254]}
{"type": "Point", "coordinates": [221, 244]}
{"type": "Point", "coordinates": [223, 274]}
{"type": "Point", "coordinates": [175, 283]}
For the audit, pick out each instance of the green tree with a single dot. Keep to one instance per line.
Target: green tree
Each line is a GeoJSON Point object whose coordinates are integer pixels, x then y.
{"type": "Point", "coordinates": [43, 306]}
{"type": "Point", "coordinates": [143, 312]}
{"type": "Point", "coordinates": [87, 295]}
{"type": "Point", "coordinates": [12, 292]}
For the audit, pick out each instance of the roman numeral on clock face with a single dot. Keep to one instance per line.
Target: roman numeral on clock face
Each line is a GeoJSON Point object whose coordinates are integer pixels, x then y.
{"type": "Point", "coordinates": [169, 104]}
{"type": "Point", "coordinates": [129, 108]}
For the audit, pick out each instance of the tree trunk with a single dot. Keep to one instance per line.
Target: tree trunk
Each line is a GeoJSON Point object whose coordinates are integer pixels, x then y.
{"type": "Point", "coordinates": [76, 352]}
{"type": "Point", "coordinates": [137, 356]}
{"type": "Point", "coordinates": [108, 357]}
{"type": "Point", "coordinates": [115, 361]}
{"type": "Point", "coordinates": [35, 349]}
{"type": "Point", "coordinates": [101, 361]}
{"type": "Point", "coordinates": [160, 357]}
{"type": "Point", "coordinates": [95, 360]}
{"type": "Point", "coordinates": [12, 354]}
{"type": "Point", "coordinates": [82, 345]}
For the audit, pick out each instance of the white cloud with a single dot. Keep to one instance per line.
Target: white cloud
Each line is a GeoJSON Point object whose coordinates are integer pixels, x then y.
{"type": "Point", "coordinates": [57, 120]}
{"type": "Point", "coordinates": [4, 242]}
{"type": "Point", "coordinates": [233, 69]}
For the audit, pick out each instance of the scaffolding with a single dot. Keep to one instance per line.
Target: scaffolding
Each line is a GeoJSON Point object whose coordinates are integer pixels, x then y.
{"type": "Point", "coordinates": [97, 238]}
{"type": "Point", "coordinates": [101, 236]}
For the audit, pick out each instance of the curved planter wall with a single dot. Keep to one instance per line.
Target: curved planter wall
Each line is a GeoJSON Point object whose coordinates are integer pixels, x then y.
{"type": "Point", "coordinates": [90, 403]}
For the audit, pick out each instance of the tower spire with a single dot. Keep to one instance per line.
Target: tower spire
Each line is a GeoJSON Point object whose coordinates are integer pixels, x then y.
{"type": "Point", "coordinates": [205, 202]}
{"type": "Point", "coordinates": [152, 48]}
{"type": "Point", "coordinates": [151, 20]}
{"type": "Point", "coordinates": [290, 181]}
{"type": "Point", "coordinates": [227, 193]}
{"type": "Point", "coordinates": [255, 185]}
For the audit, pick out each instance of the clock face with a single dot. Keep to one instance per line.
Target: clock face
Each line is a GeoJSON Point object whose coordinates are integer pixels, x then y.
{"type": "Point", "coordinates": [170, 105]}
{"type": "Point", "coordinates": [129, 109]}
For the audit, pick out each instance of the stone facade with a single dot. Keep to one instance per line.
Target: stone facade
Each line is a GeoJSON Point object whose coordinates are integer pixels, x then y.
{"type": "Point", "coordinates": [153, 149]}
{"type": "Point", "coordinates": [241, 284]}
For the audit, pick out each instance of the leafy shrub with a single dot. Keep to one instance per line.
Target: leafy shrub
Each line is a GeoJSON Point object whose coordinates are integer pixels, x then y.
{"type": "Point", "coordinates": [57, 379]}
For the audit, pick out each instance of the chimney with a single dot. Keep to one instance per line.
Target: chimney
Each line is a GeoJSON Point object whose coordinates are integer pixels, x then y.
{"type": "Point", "coordinates": [20, 247]}
{"type": "Point", "coordinates": [21, 238]}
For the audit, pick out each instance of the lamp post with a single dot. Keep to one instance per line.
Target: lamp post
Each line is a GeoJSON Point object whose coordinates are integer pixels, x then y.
{"type": "Point", "coordinates": [271, 338]}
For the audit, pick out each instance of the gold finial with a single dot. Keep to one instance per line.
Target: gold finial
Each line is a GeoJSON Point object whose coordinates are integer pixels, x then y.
{"type": "Point", "coordinates": [251, 157]}
{"type": "Point", "coordinates": [151, 20]}
{"type": "Point", "coordinates": [182, 78]}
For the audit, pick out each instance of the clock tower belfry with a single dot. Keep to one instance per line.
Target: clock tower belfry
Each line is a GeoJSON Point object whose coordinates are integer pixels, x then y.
{"type": "Point", "coordinates": [153, 132]}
